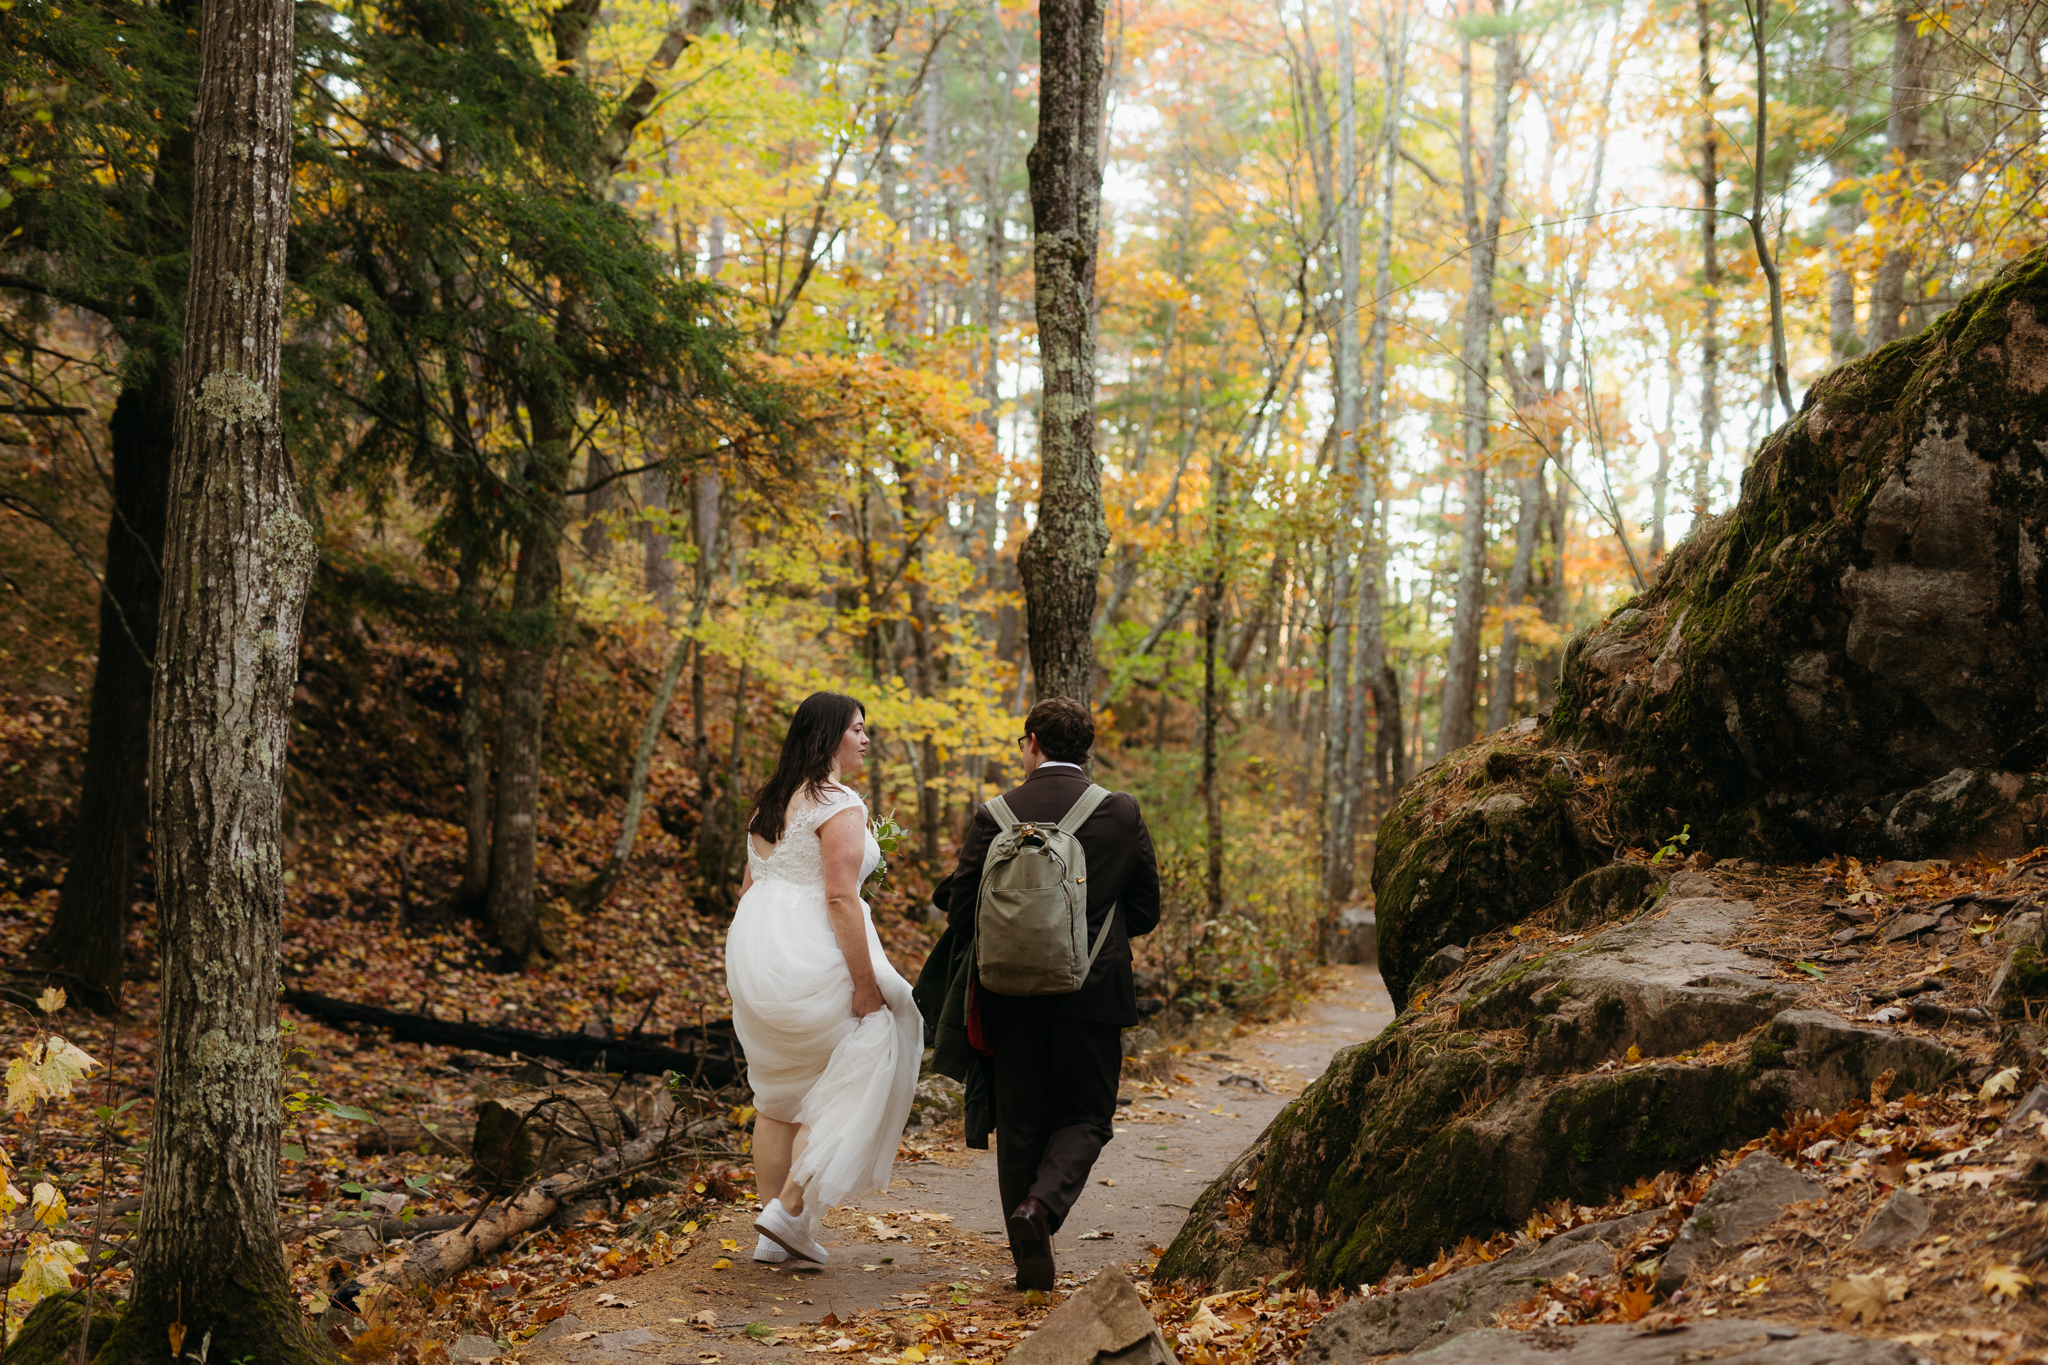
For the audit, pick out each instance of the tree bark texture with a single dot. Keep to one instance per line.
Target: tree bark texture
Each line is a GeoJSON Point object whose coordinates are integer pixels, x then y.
{"type": "Point", "coordinates": [87, 938]}
{"type": "Point", "coordinates": [1212, 696]}
{"type": "Point", "coordinates": [1482, 230]}
{"type": "Point", "coordinates": [522, 703]}
{"type": "Point", "coordinates": [470, 727]}
{"type": "Point", "coordinates": [238, 561]}
{"type": "Point", "coordinates": [1061, 558]}
{"type": "Point", "coordinates": [1903, 150]}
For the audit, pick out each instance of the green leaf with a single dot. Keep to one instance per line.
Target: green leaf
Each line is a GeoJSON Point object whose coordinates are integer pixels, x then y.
{"type": "Point", "coordinates": [1815, 972]}
{"type": "Point", "coordinates": [349, 1111]}
{"type": "Point", "coordinates": [350, 1187]}
{"type": "Point", "coordinates": [291, 1151]}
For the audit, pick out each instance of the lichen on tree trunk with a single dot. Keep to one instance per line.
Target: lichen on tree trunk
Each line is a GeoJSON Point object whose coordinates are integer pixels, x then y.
{"type": "Point", "coordinates": [238, 561]}
{"type": "Point", "coordinates": [1061, 558]}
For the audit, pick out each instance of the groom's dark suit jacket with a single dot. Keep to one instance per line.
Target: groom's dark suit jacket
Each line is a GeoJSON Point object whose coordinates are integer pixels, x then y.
{"type": "Point", "coordinates": [1122, 872]}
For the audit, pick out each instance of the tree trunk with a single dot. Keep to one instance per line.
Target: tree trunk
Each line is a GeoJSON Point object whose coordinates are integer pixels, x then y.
{"type": "Point", "coordinates": [1660, 483]}
{"type": "Point", "coordinates": [1482, 233]}
{"type": "Point", "coordinates": [1844, 203]}
{"type": "Point", "coordinates": [1781, 368]}
{"type": "Point", "coordinates": [598, 504]}
{"type": "Point", "coordinates": [658, 571]}
{"type": "Point", "coordinates": [1373, 670]}
{"type": "Point", "coordinates": [239, 560]}
{"type": "Point", "coordinates": [469, 726]}
{"type": "Point", "coordinates": [1500, 704]}
{"type": "Point", "coordinates": [1710, 271]}
{"type": "Point", "coordinates": [522, 697]}
{"type": "Point", "coordinates": [1212, 700]}
{"type": "Point", "coordinates": [1060, 559]}
{"type": "Point", "coordinates": [87, 939]}
{"type": "Point", "coordinates": [1903, 151]}
{"type": "Point", "coordinates": [1348, 682]}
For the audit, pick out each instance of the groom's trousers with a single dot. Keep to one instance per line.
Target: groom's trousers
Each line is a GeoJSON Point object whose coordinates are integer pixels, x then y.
{"type": "Point", "coordinates": [1055, 1098]}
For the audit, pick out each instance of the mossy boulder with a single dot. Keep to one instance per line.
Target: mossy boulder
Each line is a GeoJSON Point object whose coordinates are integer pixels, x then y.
{"type": "Point", "coordinates": [1482, 840]}
{"type": "Point", "coordinates": [51, 1333]}
{"type": "Point", "coordinates": [1866, 621]}
{"type": "Point", "coordinates": [1547, 1070]}
{"type": "Point", "coordinates": [1608, 894]}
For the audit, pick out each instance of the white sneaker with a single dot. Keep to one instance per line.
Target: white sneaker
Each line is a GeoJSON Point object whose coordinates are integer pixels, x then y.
{"type": "Point", "coordinates": [789, 1232]}
{"type": "Point", "coordinates": [769, 1253]}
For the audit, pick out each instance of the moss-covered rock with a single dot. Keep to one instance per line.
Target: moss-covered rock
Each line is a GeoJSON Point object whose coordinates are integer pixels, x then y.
{"type": "Point", "coordinates": [1866, 620]}
{"type": "Point", "coordinates": [52, 1330]}
{"type": "Point", "coordinates": [1548, 1070]}
{"type": "Point", "coordinates": [1482, 840]}
{"type": "Point", "coordinates": [1607, 894]}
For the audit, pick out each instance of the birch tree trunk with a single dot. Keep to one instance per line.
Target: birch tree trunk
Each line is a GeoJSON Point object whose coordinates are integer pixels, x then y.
{"type": "Point", "coordinates": [1060, 559]}
{"type": "Point", "coordinates": [238, 561]}
{"type": "Point", "coordinates": [1373, 669]}
{"type": "Point", "coordinates": [1341, 819]}
{"type": "Point", "coordinates": [1710, 269]}
{"type": "Point", "coordinates": [1482, 233]}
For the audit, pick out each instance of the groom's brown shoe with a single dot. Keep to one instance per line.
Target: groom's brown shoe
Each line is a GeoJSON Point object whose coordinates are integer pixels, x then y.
{"type": "Point", "coordinates": [1030, 1226]}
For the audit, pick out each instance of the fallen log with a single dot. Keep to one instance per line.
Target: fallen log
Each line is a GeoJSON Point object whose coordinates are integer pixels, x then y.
{"type": "Point", "coordinates": [411, 1135]}
{"type": "Point", "coordinates": [708, 1055]}
{"type": "Point", "coordinates": [430, 1262]}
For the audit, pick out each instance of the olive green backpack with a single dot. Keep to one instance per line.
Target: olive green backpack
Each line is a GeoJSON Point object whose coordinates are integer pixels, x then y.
{"type": "Point", "coordinates": [1031, 922]}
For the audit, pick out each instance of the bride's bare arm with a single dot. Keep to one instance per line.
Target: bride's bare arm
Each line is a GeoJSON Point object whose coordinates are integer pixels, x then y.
{"type": "Point", "coordinates": [844, 838]}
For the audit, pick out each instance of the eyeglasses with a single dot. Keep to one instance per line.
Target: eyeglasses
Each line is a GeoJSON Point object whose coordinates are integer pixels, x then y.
{"type": "Point", "coordinates": [1023, 740]}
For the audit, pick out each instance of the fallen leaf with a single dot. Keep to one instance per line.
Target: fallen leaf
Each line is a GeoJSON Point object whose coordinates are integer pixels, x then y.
{"type": "Point", "coordinates": [1660, 1324]}
{"type": "Point", "coordinates": [829, 1320]}
{"type": "Point", "coordinates": [721, 1264]}
{"type": "Point", "coordinates": [2006, 1280]}
{"type": "Point", "coordinates": [1092, 1236]}
{"type": "Point", "coordinates": [1632, 1303]}
{"type": "Point", "coordinates": [707, 1318]}
{"type": "Point", "coordinates": [1865, 1297]}
{"type": "Point", "coordinates": [728, 1244]}
{"type": "Point", "coordinates": [1999, 1083]}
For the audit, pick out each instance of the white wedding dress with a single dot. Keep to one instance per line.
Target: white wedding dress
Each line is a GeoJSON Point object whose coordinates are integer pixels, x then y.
{"type": "Point", "coordinates": [848, 1082]}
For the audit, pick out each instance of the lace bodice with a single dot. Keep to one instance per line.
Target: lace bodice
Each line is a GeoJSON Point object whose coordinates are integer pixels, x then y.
{"type": "Point", "coordinates": [800, 856]}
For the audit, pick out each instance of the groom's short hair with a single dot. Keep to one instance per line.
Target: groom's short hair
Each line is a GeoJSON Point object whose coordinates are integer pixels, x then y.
{"type": "Point", "coordinates": [1065, 729]}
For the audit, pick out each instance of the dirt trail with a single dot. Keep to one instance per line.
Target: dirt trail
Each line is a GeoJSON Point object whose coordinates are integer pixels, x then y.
{"type": "Point", "coordinates": [936, 1236]}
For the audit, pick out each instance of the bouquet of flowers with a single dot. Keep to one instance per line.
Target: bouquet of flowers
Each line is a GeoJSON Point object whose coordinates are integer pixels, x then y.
{"type": "Point", "coordinates": [890, 836]}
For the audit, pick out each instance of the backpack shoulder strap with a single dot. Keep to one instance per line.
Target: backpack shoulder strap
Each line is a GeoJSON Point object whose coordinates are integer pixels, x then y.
{"type": "Point", "coordinates": [999, 810]}
{"type": "Point", "coordinates": [1082, 809]}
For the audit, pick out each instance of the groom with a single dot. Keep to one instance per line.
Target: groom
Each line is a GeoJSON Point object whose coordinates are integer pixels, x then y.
{"type": "Point", "coordinates": [1057, 1057]}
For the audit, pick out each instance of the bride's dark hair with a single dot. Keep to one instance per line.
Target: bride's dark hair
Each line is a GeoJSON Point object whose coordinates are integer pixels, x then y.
{"type": "Point", "coordinates": [821, 721]}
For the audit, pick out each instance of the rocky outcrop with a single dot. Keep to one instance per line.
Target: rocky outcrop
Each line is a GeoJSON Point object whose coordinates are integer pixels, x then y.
{"type": "Point", "coordinates": [1743, 1200]}
{"type": "Point", "coordinates": [1855, 658]}
{"type": "Point", "coordinates": [1735, 1342]}
{"type": "Point", "coordinates": [1567, 1067]}
{"type": "Point", "coordinates": [1414, 1319]}
{"type": "Point", "coordinates": [1481, 840]}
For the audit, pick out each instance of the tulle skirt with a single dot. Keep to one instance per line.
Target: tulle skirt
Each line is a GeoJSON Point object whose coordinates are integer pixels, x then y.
{"type": "Point", "coordinates": [848, 1082]}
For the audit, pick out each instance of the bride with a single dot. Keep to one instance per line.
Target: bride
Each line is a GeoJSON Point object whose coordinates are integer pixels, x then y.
{"type": "Point", "coordinates": [831, 1037]}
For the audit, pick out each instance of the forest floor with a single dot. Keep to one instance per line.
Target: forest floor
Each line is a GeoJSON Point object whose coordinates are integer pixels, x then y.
{"type": "Point", "coordinates": [925, 1266]}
